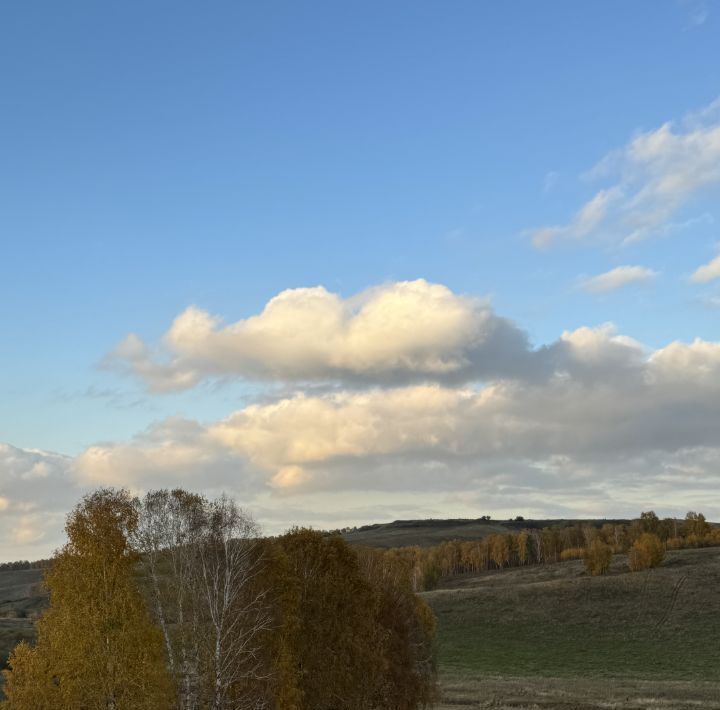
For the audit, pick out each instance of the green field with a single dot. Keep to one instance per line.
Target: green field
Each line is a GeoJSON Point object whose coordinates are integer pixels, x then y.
{"type": "Point", "coordinates": [552, 636]}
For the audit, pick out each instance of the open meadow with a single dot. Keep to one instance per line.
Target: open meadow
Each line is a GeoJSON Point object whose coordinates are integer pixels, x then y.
{"type": "Point", "coordinates": [551, 636]}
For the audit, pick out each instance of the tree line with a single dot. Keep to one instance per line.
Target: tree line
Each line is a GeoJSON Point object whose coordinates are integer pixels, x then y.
{"type": "Point", "coordinates": [177, 602]}
{"type": "Point", "coordinates": [23, 565]}
{"type": "Point", "coordinates": [642, 539]}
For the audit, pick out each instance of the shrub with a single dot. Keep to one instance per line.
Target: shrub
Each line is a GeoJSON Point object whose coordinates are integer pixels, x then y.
{"type": "Point", "coordinates": [646, 552]}
{"type": "Point", "coordinates": [572, 553]}
{"type": "Point", "coordinates": [675, 543]}
{"type": "Point", "coordinates": [597, 557]}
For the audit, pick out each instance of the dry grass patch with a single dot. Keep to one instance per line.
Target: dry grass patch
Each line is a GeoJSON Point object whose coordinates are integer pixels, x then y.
{"type": "Point", "coordinates": [463, 691]}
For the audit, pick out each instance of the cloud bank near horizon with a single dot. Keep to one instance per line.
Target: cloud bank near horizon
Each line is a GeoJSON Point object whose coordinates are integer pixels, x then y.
{"type": "Point", "coordinates": [594, 422]}
{"type": "Point", "coordinates": [607, 398]}
{"type": "Point", "coordinates": [37, 490]}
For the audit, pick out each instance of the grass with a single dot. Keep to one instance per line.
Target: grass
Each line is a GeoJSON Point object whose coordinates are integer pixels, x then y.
{"type": "Point", "coordinates": [551, 636]}
{"type": "Point", "coordinates": [21, 603]}
{"type": "Point", "coordinates": [472, 692]}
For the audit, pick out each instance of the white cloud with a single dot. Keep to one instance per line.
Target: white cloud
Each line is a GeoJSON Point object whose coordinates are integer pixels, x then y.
{"type": "Point", "coordinates": [396, 333]}
{"type": "Point", "coordinates": [617, 278]}
{"type": "Point", "coordinates": [610, 416]}
{"type": "Point", "coordinates": [588, 218]}
{"type": "Point", "coordinates": [656, 174]}
{"type": "Point", "coordinates": [172, 452]}
{"type": "Point", "coordinates": [608, 398]}
{"type": "Point", "coordinates": [37, 489]}
{"type": "Point", "coordinates": [707, 272]}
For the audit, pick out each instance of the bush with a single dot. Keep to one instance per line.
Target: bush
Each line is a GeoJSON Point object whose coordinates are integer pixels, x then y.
{"type": "Point", "coordinates": [675, 543]}
{"type": "Point", "coordinates": [646, 552]}
{"type": "Point", "coordinates": [572, 553]}
{"type": "Point", "coordinates": [597, 557]}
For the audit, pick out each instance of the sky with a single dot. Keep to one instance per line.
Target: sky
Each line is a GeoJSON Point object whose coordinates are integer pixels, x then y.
{"type": "Point", "coordinates": [352, 262]}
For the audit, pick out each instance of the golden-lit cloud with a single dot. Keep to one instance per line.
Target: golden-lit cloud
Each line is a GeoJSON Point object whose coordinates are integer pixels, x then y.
{"type": "Point", "coordinates": [607, 399]}
{"type": "Point", "coordinates": [606, 411]}
{"type": "Point", "coordinates": [396, 333]}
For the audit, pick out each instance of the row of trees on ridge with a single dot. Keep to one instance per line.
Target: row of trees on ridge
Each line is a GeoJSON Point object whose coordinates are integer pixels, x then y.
{"type": "Point", "coordinates": [641, 539]}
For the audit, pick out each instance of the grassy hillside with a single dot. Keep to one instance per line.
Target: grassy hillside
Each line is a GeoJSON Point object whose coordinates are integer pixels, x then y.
{"type": "Point", "coordinates": [544, 636]}
{"type": "Point", "coordinates": [21, 602]}
{"type": "Point", "coordinates": [551, 634]}
{"type": "Point", "coordinates": [404, 533]}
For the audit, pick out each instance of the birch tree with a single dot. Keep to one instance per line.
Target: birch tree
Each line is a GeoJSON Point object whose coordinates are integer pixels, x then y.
{"type": "Point", "coordinates": [233, 610]}
{"type": "Point", "coordinates": [202, 560]}
{"type": "Point", "coordinates": [170, 524]}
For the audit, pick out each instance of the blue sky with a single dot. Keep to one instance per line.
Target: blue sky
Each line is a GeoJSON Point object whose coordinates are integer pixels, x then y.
{"type": "Point", "coordinates": [166, 155]}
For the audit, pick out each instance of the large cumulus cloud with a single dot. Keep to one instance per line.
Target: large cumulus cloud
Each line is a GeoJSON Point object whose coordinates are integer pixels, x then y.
{"type": "Point", "coordinates": [397, 333]}
{"type": "Point", "coordinates": [608, 406]}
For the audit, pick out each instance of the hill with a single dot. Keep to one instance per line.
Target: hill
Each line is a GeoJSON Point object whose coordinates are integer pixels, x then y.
{"type": "Point", "coordinates": [405, 533]}
{"type": "Point", "coordinates": [542, 636]}
{"type": "Point", "coordinates": [21, 602]}
{"type": "Point", "coordinates": [550, 636]}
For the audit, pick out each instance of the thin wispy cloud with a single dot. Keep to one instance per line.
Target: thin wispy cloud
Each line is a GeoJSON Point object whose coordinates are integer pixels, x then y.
{"type": "Point", "coordinates": [672, 228]}
{"type": "Point", "coordinates": [617, 278]}
{"type": "Point", "coordinates": [697, 13]}
{"type": "Point", "coordinates": [550, 181]}
{"type": "Point", "coordinates": [651, 179]}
